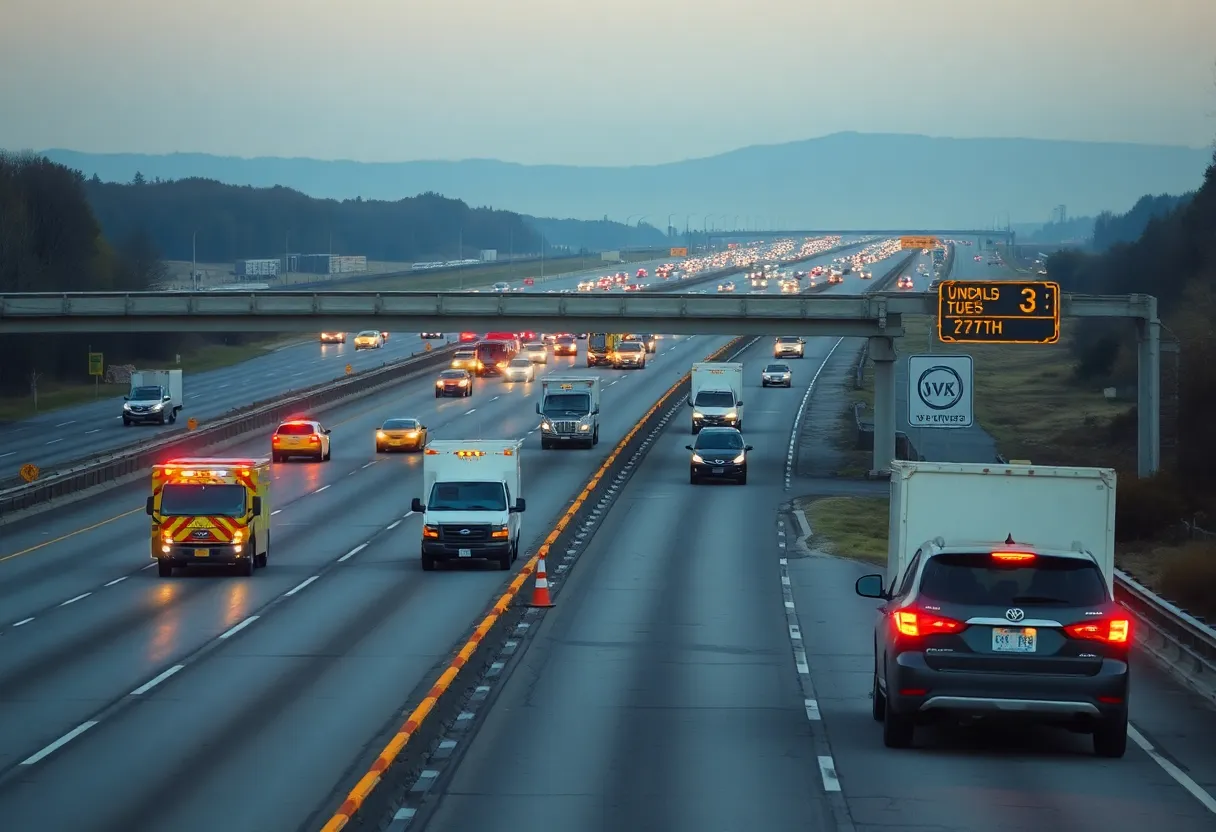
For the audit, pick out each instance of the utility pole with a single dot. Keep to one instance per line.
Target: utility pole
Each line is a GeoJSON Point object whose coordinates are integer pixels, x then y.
{"type": "Point", "coordinates": [460, 245]}
{"type": "Point", "coordinates": [34, 376]}
{"type": "Point", "coordinates": [193, 261]}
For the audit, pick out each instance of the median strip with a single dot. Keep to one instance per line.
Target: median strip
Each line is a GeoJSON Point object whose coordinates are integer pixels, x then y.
{"type": "Point", "coordinates": [358, 795]}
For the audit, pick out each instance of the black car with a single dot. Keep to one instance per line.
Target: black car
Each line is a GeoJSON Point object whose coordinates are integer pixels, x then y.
{"type": "Point", "coordinates": [454, 383]}
{"type": "Point", "coordinates": [431, 336]}
{"type": "Point", "coordinates": [1004, 631]}
{"type": "Point", "coordinates": [718, 453]}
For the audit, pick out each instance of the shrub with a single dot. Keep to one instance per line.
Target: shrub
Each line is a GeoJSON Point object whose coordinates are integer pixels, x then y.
{"type": "Point", "coordinates": [1146, 508]}
{"type": "Point", "coordinates": [1189, 578]}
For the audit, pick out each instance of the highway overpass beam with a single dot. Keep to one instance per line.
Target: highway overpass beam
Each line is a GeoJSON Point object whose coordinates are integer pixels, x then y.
{"type": "Point", "coordinates": [882, 353]}
{"type": "Point", "coordinates": [1148, 393]}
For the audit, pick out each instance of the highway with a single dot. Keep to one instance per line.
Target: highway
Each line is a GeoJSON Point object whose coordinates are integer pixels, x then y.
{"type": "Point", "coordinates": [159, 700]}
{"type": "Point", "coordinates": [667, 690]}
{"type": "Point", "coordinates": [70, 434]}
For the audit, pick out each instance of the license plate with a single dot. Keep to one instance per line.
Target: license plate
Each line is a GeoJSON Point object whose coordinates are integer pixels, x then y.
{"type": "Point", "coordinates": [465, 553]}
{"type": "Point", "coordinates": [202, 553]}
{"type": "Point", "coordinates": [719, 470]}
{"type": "Point", "coordinates": [1014, 639]}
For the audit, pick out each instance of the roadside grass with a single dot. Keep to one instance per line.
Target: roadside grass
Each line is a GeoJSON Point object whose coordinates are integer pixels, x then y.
{"type": "Point", "coordinates": [1185, 573]}
{"type": "Point", "coordinates": [57, 394]}
{"type": "Point", "coordinates": [481, 277]}
{"type": "Point", "coordinates": [852, 527]}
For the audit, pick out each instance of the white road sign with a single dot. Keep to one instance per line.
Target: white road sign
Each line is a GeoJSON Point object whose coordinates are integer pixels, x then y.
{"type": "Point", "coordinates": [941, 391]}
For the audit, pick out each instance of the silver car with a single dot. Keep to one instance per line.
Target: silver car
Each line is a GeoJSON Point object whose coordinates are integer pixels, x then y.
{"type": "Point", "coordinates": [537, 353]}
{"type": "Point", "coordinates": [776, 375]}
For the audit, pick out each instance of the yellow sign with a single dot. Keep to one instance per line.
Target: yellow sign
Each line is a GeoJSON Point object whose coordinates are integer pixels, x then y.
{"type": "Point", "coordinates": [96, 364]}
{"type": "Point", "coordinates": [918, 242]}
{"type": "Point", "coordinates": [679, 252]}
{"type": "Point", "coordinates": [349, 369]}
{"type": "Point", "coordinates": [29, 472]}
{"type": "Point", "coordinates": [998, 312]}
{"type": "Point", "coordinates": [191, 423]}
{"type": "Point", "coordinates": [427, 347]}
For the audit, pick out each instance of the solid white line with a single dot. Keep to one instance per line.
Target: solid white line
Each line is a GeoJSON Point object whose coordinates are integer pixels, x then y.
{"type": "Point", "coordinates": [1180, 777]}
{"type": "Point", "coordinates": [74, 600]}
{"type": "Point", "coordinates": [812, 710]}
{"type": "Point", "coordinates": [149, 566]}
{"type": "Point", "coordinates": [147, 686]}
{"type": "Point", "coordinates": [353, 552]}
{"type": "Point", "coordinates": [300, 586]}
{"type": "Point", "coordinates": [322, 488]}
{"type": "Point", "coordinates": [233, 631]}
{"type": "Point", "coordinates": [116, 581]}
{"type": "Point", "coordinates": [827, 770]}
{"type": "Point", "coordinates": [24, 621]}
{"type": "Point", "coordinates": [393, 525]}
{"type": "Point", "coordinates": [59, 743]}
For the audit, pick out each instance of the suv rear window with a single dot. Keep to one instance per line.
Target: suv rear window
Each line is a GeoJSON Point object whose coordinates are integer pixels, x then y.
{"type": "Point", "coordinates": [978, 580]}
{"type": "Point", "coordinates": [294, 430]}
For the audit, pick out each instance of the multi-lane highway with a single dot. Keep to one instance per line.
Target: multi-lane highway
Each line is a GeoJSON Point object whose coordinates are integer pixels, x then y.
{"type": "Point", "coordinates": [76, 433]}
{"type": "Point", "coordinates": [210, 701]}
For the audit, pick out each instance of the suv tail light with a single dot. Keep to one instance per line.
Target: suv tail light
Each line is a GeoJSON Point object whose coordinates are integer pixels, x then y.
{"type": "Point", "coordinates": [912, 622]}
{"type": "Point", "coordinates": [314, 438]}
{"type": "Point", "coordinates": [1109, 630]}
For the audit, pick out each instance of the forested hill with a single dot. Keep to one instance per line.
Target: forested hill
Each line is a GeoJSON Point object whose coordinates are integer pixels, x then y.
{"type": "Point", "coordinates": [231, 222]}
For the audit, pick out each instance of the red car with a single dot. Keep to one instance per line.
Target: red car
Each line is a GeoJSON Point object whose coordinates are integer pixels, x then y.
{"type": "Point", "coordinates": [641, 273]}
{"type": "Point", "coordinates": [467, 337]}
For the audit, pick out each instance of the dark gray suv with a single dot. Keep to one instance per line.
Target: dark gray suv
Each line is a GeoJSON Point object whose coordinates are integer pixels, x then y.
{"type": "Point", "coordinates": [1001, 631]}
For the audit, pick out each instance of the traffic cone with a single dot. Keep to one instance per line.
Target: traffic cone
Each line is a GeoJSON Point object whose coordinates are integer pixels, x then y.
{"type": "Point", "coordinates": [540, 592]}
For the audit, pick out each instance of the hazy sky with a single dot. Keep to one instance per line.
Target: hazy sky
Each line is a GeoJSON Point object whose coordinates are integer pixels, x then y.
{"type": "Point", "coordinates": [593, 81]}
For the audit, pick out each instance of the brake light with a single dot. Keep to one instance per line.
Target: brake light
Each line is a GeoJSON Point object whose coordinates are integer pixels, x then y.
{"type": "Point", "coordinates": [919, 623]}
{"type": "Point", "coordinates": [1013, 557]}
{"type": "Point", "coordinates": [1109, 630]}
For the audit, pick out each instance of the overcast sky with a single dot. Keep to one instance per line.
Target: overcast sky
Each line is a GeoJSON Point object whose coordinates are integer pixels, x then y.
{"type": "Point", "coordinates": [593, 81]}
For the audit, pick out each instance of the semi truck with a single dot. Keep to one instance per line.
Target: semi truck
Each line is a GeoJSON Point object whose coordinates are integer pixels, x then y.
{"type": "Point", "coordinates": [570, 411]}
{"type": "Point", "coordinates": [472, 506]}
{"type": "Point", "coordinates": [155, 398]}
{"type": "Point", "coordinates": [210, 511]}
{"type": "Point", "coordinates": [600, 347]}
{"type": "Point", "coordinates": [716, 398]}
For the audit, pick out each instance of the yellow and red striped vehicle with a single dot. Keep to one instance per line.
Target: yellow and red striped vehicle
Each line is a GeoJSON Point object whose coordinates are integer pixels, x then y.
{"type": "Point", "coordinates": [210, 511]}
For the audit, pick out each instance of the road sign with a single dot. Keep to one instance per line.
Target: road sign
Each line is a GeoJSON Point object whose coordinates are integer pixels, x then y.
{"type": "Point", "coordinates": [96, 364]}
{"type": "Point", "coordinates": [998, 312]}
{"type": "Point", "coordinates": [529, 281]}
{"type": "Point", "coordinates": [191, 423]}
{"type": "Point", "coordinates": [349, 369]}
{"type": "Point", "coordinates": [918, 242]}
{"type": "Point", "coordinates": [679, 252]}
{"type": "Point", "coordinates": [29, 472]}
{"type": "Point", "coordinates": [426, 347]}
{"type": "Point", "coordinates": [941, 391]}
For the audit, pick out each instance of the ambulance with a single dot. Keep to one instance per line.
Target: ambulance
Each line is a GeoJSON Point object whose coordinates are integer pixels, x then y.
{"type": "Point", "coordinates": [210, 511]}
{"type": "Point", "coordinates": [472, 506]}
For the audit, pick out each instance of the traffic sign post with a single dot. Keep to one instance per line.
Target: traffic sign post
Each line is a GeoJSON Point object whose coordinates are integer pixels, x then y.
{"type": "Point", "coordinates": [998, 312]}
{"type": "Point", "coordinates": [679, 252]}
{"type": "Point", "coordinates": [191, 423]}
{"type": "Point", "coordinates": [349, 369]}
{"type": "Point", "coordinates": [96, 370]}
{"type": "Point", "coordinates": [918, 242]}
{"type": "Point", "coordinates": [941, 391]}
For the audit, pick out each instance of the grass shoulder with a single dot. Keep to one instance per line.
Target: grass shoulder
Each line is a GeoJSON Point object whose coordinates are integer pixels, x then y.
{"type": "Point", "coordinates": [852, 527]}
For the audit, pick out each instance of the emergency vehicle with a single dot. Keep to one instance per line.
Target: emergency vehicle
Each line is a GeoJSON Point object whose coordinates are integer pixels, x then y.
{"type": "Point", "coordinates": [210, 511]}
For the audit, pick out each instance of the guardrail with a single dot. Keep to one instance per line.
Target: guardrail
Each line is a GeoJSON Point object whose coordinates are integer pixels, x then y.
{"type": "Point", "coordinates": [132, 459]}
{"type": "Point", "coordinates": [1182, 644]}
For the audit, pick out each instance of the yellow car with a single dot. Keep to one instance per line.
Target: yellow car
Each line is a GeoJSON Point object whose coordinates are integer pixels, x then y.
{"type": "Point", "coordinates": [369, 340]}
{"type": "Point", "coordinates": [465, 359]}
{"type": "Point", "coordinates": [401, 435]}
{"type": "Point", "coordinates": [300, 437]}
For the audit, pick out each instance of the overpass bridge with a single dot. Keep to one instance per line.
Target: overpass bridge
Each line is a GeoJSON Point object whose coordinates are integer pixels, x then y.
{"type": "Point", "coordinates": [1005, 237]}
{"type": "Point", "coordinates": [876, 316]}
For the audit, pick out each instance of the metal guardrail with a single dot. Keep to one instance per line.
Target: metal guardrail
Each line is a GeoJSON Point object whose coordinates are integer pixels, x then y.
{"type": "Point", "coordinates": [130, 460]}
{"type": "Point", "coordinates": [1182, 644]}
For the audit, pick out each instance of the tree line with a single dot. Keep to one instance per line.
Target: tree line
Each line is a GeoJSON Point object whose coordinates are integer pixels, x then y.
{"type": "Point", "coordinates": [1174, 258]}
{"type": "Point", "coordinates": [222, 223]}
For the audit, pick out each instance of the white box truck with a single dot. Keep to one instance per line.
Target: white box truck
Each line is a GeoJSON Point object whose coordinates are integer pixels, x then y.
{"type": "Point", "coordinates": [570, 411]}
{"type": "Point", "coordinates": [155, 397]}
{"type": "Point", "coordinates": [472, 506]}
{"type": "Point", "coordinates": [716, 398]}
{"type": "Point", "coordinates": [1046, 507]}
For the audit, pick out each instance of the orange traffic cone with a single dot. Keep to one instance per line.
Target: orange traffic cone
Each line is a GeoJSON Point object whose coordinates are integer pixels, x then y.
{"type": "Point", "coordinates": [540, 592]}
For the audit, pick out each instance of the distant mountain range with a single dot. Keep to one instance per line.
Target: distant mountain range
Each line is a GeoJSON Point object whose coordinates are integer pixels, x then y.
{"type": "Point", "coordinates": [841, 181]}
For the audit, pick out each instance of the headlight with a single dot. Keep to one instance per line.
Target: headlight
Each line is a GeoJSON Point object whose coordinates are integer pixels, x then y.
{"type": "Point", "coordinates": [464, 382]}
{"type": "Point", "coordinates": [732, 415]}
{"type": "Point", "coordinates": [698, 415]}
{"type": "Point", "coordinates": [584, 427]}
{"type": "Point", "coordinates": [412, 435]}
{"type": "Point", "coordinates": [126, 406]}
{"type": "Point", "coordinates": [380, 435]}
{"type": "Point", "coordinates": [158, 406]}
{"type": "Point", "coordinates": [697, 459]}
{"type": "Point", "coordinates": [739, 459]}
{"type": "Point", "coordinates": [439, 383]}
{"type": "Point", "coordinates": [431, 532]}
{"type": "Point", "coordinates": [546, 425]}
{"type": "Point", "coordinates": [500, 533]}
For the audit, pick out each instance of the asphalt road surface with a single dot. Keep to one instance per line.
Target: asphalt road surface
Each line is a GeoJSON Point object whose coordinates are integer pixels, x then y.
{"type": "Point", "coordinates": [664, 691]}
